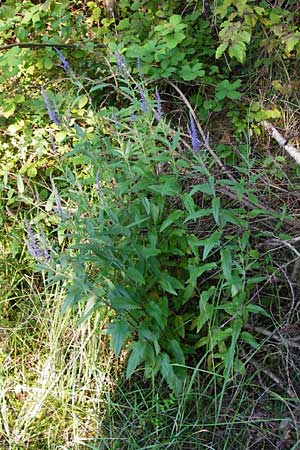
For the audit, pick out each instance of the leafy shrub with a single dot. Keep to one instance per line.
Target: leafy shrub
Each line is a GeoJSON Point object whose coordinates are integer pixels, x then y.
{"type": "Point", "coordinates": [148, 235]}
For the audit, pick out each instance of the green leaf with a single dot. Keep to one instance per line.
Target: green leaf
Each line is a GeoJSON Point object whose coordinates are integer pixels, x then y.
{"type": "Point", "coordinates": [175, 20]}
{"type": "Point", "coordinates": [216, 202]}
{"type": "Point", "coordinates": [198, 214]}
{"type": "Point", "coordinates": [256, 309]}
{"type": "Point", "coordinates": [210, 243]}
{"type": "Point", "coordinates": [20, 184]}
{"type": "Point", "coordinates": [175, 215]}
{"type": "Point", "coordinates": [206, 188]}
{"type": "Point", "coordinates": [7, 108]}
{"type": "Point", "coordinates": [197, 271]}
{"type": "Point", "coordinates": [188, 202]}
{"type": "Point", "coordinates": [119, 331]}
{"type": "Point", "coordinates": [147, 252]}
{"type": "Point", "coordinates": [226, 262]}
{"type": "Point", "coordinates": [137, 356]}
{"type": "Point", "coordinates": [169, 283]}
{"type": "Point", "coordinates": [220, 50]}
{"type": "Point", "coordinates": [120, 303]}
{"type": "Point", "coordinates": [249, 339]}
{"type": "Point", "coordinates": [82, 101]}
{"type": "Point", "coordinates": [135, 275]}
{"type": "Point", "coordinates": [176, 350]}
{"type": "Point", "coordinates": [166, 369]}
{"type": "Point", "coordinates": [153, 309]}
{"type": "Point", "coordinates": [238, 51]}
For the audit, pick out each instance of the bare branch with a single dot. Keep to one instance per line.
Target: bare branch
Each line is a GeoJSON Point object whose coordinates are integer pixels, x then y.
{"type": "Point", "coordinates": [282, 141]}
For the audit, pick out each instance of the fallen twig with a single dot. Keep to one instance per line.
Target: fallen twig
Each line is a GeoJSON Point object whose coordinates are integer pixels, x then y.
{"type": "Point", "coordinates": [282, 141]}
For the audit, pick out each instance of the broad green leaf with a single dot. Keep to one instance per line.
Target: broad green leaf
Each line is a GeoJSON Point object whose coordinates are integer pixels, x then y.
{"type": "Point", "coordinates": [7, 108]}
{"type": "Point", "coordinates": [198, 214]}
{"type": "Point", "coordinates": [175, 20]}
{"type": "Point", "coordinates": [220, 50]}
{"type": "Point", "coordinates": [188, 202]}
{"type": "Point", "coordinates": [120, 303]}
{"type": "Point", "coordinates": [82, 101]}
{"type": "Point", "coordinates": [169, 283]}
{"type": "Point", "coordinates": [155, 213]}
{"type": "Point", "coordinates": [176, 350]}
{"type": "Point", "coordinates": [226, 261]}
{"type": "Point", "coordinates": [20, 184]}
{"type": "Point", "coordinates": [175, 215]}
{"type": "Point", "coordinates": [197, 271]}
{"type": "Point", "coordinates": [205, 315]}
{"type": "Point", "coordinates": [119, 331]}
{"type": "Point", "coordinates": [135, 275]}
{"type": "Point", "coordinates": [210, 243]}
{"type": "Point", "coordinates": [249, 339]}
{"type": "Point", "coordinates": [239, 52]}
{"type": "Point", "coordinates": [165, 189]}
{"type": "Point", "coordinates": [216, 202]}
{"type": "Point", "coordinates": [147, 252]}
{"type": "Point", "coordinates": [206, 188]}
{"type": "Point", "coordinates": [256, 309]}
{"type": "Point", "coordinates": [153, 309]}
{"type": "Point", "coordinates": [137, 356]}
{"type": "Point", "coordinates": [166, 369]}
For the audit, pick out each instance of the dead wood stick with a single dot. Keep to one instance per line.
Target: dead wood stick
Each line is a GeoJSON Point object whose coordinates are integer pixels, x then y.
{"type": "Point", "coordinates": [282, 141]}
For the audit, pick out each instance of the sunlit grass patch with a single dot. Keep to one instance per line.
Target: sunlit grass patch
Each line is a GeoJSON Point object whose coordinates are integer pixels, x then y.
{"type": "Point", "coordinates": [54, 375]}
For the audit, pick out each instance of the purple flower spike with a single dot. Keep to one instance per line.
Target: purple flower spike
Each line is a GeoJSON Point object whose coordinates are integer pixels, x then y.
{"type": "Point", "coordinates": [52, 142]}
{"type": "Point", "coordinates": [121, 63]}
{"type": "Point", "coordinates": [51, 112]}
{"type": "Point", "coordinates": [139, 67]}
{"type": "Point", "coordinates": [64, 63]}
{"type": "Point", "coordinates": [158, 111]}
{"type": "Point", "coordinates": [144, 102]}
{"type": "Point", "coordinates": [57, 200]}
{"type": "Point", "coordinates": [98, 185]}
{"type": "Point", "coordinates": [37, 252]}
{"type": "Point", "coordinates": [132, 116]}
{"type": "Point", "coordinates": [195, 141]}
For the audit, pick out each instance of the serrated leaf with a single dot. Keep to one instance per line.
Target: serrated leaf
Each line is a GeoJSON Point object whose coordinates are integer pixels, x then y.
{"type": "Point", "coordinates": [210, 243]}
{"type": "Point", "coordinates": [175, 215]}
{"type": "Point", "coordinates": [249, 339]}
{"type": "Point", "coordinates": [238, 51]}
{"type": "Point", "coordinates": [153, 310]}
{"type": "Point", "coordinates": [188, 202]}
{"type": "Point", "coordinates": [120, 303]}
{"type": "Point", "coordinates": [166, 368]}
{"type": "Point", "coordinates": [206, 188]}
{"type": "Point", "coordinates": [256, 309]}
{"type": "Point", "coordinates": [198, 214]}
{"type": "Point", "coordinates": [135, 275]}
{"type": "Point", "coordinates": [197, 271]}
{"type": "Point", "coordinates": [147, 252]}
{"type": "Point", "coordinates": [137, 356]}
{"type": "Point", "coordinates": [119, 331]}
{"type": "Point", "coordinates": [220, 50]}
{"type": "Point", "coordinates": [176, 350]}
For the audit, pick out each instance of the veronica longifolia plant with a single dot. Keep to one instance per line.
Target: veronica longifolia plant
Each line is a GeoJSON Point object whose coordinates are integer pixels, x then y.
{"type": "Point", "coordinates": [53, 116]}
{"type": "Point", "coordinates": [195, 141]}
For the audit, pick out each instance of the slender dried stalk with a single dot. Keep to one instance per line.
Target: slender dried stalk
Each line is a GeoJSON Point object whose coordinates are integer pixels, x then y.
{"type": "Point", "coordinates": [282, 141]}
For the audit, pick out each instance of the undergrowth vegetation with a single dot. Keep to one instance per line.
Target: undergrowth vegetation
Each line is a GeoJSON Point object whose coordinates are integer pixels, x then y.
{"type": "Point", "coordinates": [150, 247]}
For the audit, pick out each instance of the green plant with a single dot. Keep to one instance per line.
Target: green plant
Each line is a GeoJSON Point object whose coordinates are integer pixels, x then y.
{"type": "Point", "coordinates": [134, 251]}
